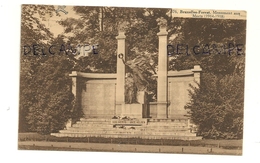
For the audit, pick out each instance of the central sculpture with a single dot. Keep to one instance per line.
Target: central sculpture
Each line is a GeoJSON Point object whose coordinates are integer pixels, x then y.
{"type": "Point", "coordinates": [136, 81]}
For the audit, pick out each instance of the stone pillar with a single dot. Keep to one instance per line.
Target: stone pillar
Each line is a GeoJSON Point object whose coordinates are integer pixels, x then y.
{"type": "Point", "coordinates": [197, 70]}
{"type": "Point", "coordinates": [162, 74]}
{"type": "Point", "coordinates": [74, 91]}
{"type": "Point", "coordinates": [73, 76]}
{"type": "Point", "coordinates": [120, 70]}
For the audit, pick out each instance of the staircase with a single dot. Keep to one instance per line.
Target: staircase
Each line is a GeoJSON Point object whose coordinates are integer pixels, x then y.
{"type": "Point", "coordinates": [138, 128]}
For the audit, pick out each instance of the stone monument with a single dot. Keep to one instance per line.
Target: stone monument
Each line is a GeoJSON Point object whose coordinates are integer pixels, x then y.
{"type": "Point", "coordinates": [136, 88]}
{"type": "Point", "coordinates": [104, 100]}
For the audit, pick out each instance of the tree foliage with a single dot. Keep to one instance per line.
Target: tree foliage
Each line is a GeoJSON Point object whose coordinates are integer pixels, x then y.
{"type": "Point", "coordinates": [52, 103]}
{"type": "Point", "coordinates": [45, 98]}
{"type": "Point", "coordinates": [216, 106]}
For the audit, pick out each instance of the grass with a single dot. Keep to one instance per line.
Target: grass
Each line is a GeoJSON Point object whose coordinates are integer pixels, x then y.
{"type": "Point", "coordinates": [225, 144]}
{"type": "Point", "coordinates": [51, 146]}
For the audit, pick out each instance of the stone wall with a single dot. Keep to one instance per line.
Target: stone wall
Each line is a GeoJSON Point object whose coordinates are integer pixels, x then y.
{"type": "Point", "coordinates": [178, 94]}
{"type": "Point", "coordinates": [98, 99]}
{"type": "Point", "coordinates": [178, 84]}
{"type": "Point", "coordinates": [96, 94]}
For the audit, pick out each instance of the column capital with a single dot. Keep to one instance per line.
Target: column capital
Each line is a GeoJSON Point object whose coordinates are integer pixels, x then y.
{"type": "Point", "coordinates": [121, 36]}
{"type": "Point", "coordinates": [162, 33]}
{"type": "Point", "coordinates": [162, 22]}
{"type": "Point", "coordinates": [73, 74]}
{"type": "Point", "coordinates": [196, 68]}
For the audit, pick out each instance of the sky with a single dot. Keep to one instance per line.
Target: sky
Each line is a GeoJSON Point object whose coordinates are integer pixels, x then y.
{"type": "Point", "coordinates": [51, 22]}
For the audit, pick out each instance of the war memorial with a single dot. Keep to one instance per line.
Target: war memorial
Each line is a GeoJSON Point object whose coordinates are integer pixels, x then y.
{"type": "Point", "coordinates": [101, 98]}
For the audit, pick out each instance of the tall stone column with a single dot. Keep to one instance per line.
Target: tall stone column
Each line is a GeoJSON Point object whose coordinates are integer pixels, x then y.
{"type": "Point", "coordinates": [120, 70]}
{"type": "Point", "coordinates": [162, 74]}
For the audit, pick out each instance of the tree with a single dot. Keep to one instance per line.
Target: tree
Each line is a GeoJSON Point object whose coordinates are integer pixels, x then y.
{"type": "Point", "coordinates": [45, 97]}
{"type": "Point", "coordinates": [33, 31]}
{"type": "Point", "coordinates": [53, 100]}
{"type": "Point", "coordinates": [216, 105]}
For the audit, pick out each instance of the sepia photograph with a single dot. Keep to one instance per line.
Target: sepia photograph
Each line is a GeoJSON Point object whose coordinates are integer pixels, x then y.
{"type": "Point", "coordinates": [132, 79]}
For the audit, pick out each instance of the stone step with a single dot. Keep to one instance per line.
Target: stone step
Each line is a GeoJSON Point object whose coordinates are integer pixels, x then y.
{"type": "Point", "coordinates": [193, 137]}
{"type": "Point", "coordinates": [132, 133]}
{"type": "Point", "coordinates": [91, 125]}
{"type": "Point", "coordinates": [166, 124]}
{"type": "Point", "coordinates": [167, 130]}
{"type": "Point", "coordinates": [94, 120]}
{"type": "Point", "coordinates": [106, 127]}
{"type": "Point", "coordinates": [166, 127]}
{"type": "Point", "coordinates": [102, 132]}
{"type": "Point", "coordinates": [170, 133]}
{"type": "Point", "coordinates": [149, 123]}
{"type": "Point", "coordinates": [183, 120]}
{"type": "Point", "coordinates": [87, 130]}
{"type": "Point", "coordinates": [127, 128]}
{"type": "Point", "coordinates": [127, 132]}
{"type": "Point", "coordinates": [128, 125]}
{"type": "Point", "coordinates": [151, 129]}
{"type": "Point", "coordinates": [102, 127]}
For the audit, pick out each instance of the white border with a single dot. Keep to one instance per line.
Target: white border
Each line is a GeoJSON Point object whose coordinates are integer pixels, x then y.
{"type": "Point", "coordinates": [9, 82]}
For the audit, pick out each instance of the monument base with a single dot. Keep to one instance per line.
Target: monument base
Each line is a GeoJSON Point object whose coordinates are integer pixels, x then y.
{"type": "Point", "coordinates": [133, 110]}
{"type": "Point", "coordinates": [118, 109]}
{"type": "Point", "coordinates": [141, 97]}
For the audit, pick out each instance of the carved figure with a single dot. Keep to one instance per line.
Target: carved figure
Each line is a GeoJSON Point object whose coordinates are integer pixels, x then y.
{"type": "Point", "coordinates": [135, 81]}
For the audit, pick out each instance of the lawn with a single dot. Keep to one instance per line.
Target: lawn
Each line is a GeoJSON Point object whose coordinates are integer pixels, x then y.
{"type": "Point", "coordinates": [101, 147]}
{"type": "Point", "coordinates": [225, 144]}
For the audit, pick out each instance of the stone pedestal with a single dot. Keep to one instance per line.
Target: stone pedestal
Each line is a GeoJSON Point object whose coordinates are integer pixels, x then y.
{"type": "Point", "coordinates": [142, 99]}
{"type": "Point", "coordinates": [132, 110]}
{"type": "Point", "coordinates": [139, 110]}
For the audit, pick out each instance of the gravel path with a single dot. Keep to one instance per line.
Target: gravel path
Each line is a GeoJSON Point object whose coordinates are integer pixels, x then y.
{"type": "Point", "coordinates": [131, 148]}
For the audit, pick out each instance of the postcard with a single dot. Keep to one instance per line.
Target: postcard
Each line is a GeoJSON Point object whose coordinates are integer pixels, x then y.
{"type": "Point", "coordinates": [125, 79]}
